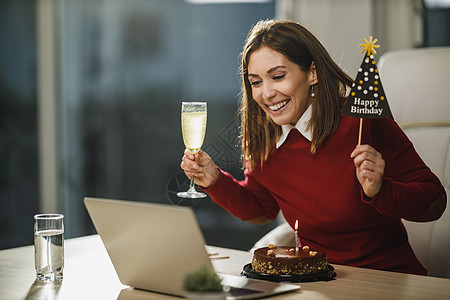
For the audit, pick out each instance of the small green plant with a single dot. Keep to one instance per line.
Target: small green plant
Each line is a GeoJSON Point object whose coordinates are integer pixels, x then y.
{"type": "Point", "coordinates": [202, 280]}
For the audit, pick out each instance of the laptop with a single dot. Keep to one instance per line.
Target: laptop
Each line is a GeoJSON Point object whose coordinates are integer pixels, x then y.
{"type": "Point", "coordinates": [153, 246]}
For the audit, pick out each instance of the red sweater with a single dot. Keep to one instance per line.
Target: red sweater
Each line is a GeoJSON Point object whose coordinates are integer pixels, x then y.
{"type": "Point", "coordinates": [321, 191]}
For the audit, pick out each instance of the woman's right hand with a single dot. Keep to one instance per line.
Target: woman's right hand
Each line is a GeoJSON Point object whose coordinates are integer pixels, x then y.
{"type": "Point", "coordinates": [201, 166]}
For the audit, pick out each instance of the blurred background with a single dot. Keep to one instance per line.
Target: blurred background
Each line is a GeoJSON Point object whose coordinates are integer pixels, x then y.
{"type": "Point", "coordinates": [91, 92]}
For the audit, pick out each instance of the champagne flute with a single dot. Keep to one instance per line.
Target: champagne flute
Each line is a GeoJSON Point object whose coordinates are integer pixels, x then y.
{"type": "Point", "coordinates": [193, 126]}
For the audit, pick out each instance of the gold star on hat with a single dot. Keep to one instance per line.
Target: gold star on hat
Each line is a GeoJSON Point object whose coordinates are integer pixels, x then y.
{"type": "Point", "coordinates": [369, 46]}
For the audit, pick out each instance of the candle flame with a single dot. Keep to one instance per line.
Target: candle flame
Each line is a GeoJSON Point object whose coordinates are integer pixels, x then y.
{"type": "Point", "coordinates": [296, 225]}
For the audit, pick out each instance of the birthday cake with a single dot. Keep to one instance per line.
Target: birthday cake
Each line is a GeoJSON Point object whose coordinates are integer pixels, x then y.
{"type": "Point", "coordinates": [284, 260]}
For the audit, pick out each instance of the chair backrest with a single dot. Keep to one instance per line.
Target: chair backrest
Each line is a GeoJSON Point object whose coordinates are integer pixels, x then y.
{"type": "Point", "coordinates": [416, 83]}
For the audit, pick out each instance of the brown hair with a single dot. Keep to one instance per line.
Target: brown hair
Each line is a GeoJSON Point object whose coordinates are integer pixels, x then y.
{"type": "Point", "coordinates": [258, 132]}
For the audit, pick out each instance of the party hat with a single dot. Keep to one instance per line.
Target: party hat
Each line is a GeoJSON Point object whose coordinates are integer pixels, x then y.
{"type": "Point", "coordinates": [367, 98]}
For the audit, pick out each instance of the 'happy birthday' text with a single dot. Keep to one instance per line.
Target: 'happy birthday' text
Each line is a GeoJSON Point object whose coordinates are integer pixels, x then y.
{"type": "Point", "coordinates": [370, 107]}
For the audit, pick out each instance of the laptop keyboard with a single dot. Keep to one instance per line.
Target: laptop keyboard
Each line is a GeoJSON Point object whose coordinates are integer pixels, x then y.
{"type": "Point", "coordinates": [235, 292]}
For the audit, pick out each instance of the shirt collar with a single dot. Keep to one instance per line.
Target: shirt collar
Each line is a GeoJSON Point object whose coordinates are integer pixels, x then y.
{"type": "Point", "coordinates": [301, 126]}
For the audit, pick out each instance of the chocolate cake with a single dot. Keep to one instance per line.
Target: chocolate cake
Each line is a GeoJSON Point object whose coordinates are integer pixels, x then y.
{"type": "Point", "coordinates": [283, 260]}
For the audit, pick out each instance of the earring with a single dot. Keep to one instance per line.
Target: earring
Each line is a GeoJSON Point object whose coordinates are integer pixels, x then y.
{"type": "Point", "coordinates": [312, 92]}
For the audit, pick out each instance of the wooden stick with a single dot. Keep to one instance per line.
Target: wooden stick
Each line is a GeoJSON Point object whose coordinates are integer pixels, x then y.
{"type": "Point", "coordinates": [220, 257]}
{"type": "Point", "coordinates": [360, 130]}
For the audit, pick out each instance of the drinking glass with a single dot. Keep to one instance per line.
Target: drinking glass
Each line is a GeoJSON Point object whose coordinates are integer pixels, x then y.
{"type": "Point", "coordinates": [193, 126]}
{"type": "Point", "coordinates": [49, 246]}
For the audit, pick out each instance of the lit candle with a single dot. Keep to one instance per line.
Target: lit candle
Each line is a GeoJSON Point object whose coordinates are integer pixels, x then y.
{"type": "Point", "coordinates": [296, 237]}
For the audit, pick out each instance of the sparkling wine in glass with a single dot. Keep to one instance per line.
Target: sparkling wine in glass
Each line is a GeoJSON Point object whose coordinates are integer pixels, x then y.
{"type": "Point", "coordinates": [193, 126]}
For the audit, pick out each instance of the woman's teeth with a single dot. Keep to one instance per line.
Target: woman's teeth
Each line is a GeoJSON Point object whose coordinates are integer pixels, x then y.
{"type": "Point", "coordinates": [278, 106]}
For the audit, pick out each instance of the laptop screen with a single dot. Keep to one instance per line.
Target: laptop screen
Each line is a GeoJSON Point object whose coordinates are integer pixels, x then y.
{"type": "Point", "coordinates": [153, 246]}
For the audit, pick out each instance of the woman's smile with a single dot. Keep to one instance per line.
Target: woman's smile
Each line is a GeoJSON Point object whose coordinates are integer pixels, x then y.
{"type": "Point", "coordinates": [278, 106]}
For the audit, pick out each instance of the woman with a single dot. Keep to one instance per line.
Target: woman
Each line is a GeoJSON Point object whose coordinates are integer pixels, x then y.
{"type": "Point", "coordinates": [300, 158]}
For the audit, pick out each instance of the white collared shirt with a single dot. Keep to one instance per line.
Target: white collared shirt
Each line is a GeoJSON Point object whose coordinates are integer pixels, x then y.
{"type": "Point", "coordinates": [301, 126]}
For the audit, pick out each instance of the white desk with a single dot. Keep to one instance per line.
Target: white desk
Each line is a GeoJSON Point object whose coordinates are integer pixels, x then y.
{"type": "Point", "coordinates": [89, 274]}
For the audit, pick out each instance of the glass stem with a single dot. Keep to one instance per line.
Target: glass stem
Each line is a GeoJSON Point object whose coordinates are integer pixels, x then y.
{"type": "Point", "coordinates": [49, 255]}
{"type": "Point", "coordinates": [191, 185]}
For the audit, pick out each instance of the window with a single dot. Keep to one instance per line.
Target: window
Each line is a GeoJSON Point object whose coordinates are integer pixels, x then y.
{"type": "Point", "coordinates": [125, 68]}
{"type": "Point", "coordinates": [19, 186]}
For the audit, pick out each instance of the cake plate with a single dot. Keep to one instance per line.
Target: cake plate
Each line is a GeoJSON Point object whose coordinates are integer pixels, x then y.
{"type": "Point", "coordinates": [326, 275]}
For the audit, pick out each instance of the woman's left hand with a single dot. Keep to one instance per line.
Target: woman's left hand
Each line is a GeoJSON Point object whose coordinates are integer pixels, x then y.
{"type": "Point", "coordinates": [369, 169]}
